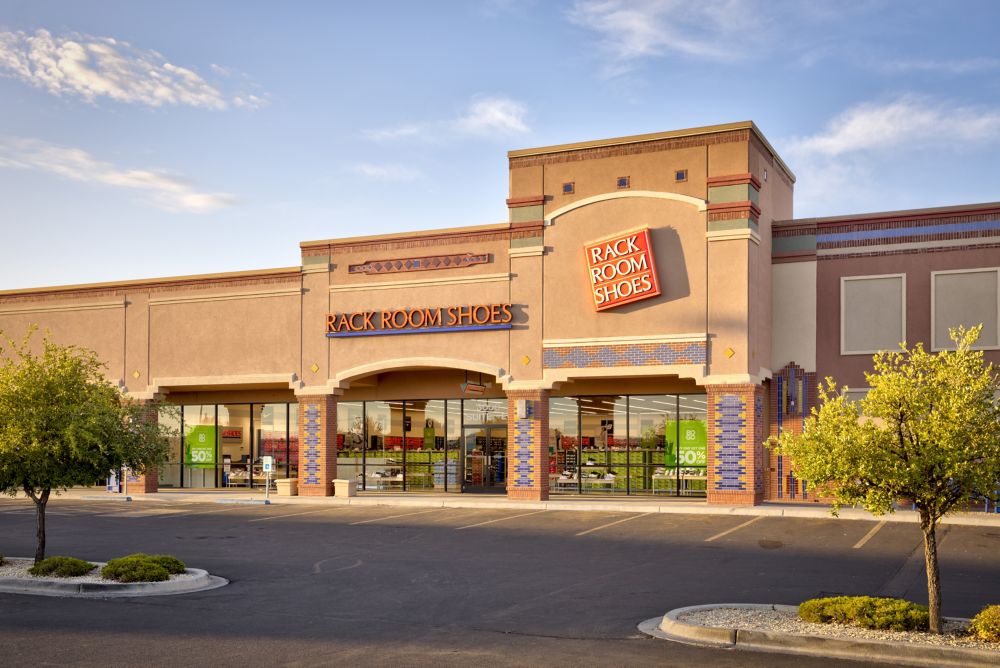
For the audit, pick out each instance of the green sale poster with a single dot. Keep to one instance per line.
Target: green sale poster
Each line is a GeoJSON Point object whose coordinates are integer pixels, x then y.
{"type": "Point", "coordinates": [693, 443]}
{"type": "Point", "coordinates": [200, 446]}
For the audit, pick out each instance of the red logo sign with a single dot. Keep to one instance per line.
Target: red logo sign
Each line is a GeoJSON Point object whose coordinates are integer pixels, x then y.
{"type": "Point", "coordinates": [621, 269]}
{"type": "Point", "coordinates": [232, 433]}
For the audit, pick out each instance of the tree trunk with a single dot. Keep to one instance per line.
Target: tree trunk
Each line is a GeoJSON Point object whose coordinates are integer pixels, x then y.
{"type": "Point", "coordinates": [40, 501]}
{"type": "Point", "coordinates": [929, 526]}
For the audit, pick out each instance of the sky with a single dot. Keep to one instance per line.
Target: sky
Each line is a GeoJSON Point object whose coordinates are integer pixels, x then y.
{"type": "Point", "coordinates": [144, 139]}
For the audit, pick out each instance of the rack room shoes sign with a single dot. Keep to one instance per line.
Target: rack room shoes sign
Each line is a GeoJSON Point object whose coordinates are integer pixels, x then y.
{"type": "Point", "coordinates": [621, 269]}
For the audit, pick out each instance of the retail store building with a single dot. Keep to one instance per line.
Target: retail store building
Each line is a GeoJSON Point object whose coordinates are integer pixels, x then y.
{"type": "Point", "coordinates": [649, 314]}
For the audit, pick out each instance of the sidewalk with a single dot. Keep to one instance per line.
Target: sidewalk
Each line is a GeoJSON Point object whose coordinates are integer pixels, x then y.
{"type": "Point", "coordinates": [633, 504]}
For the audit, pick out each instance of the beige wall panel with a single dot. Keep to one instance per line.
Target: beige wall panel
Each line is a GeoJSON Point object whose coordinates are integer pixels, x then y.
{"type": "Point", "coordinates": [418, 384]}
{"type": "Point", "coordinates": [966, 298]}
{"type": "Point", "coordinates": [776, 191]}
{"type": "Point", "coordinates": [728, 158]}
{"type": "Point", "coordinates": [101, 330]}
{"type": "Point", "coordinates": [342, 259]}
{"type": "Point", "coordinates": [489, 347]}
{"type": "Point", "coordinates": [729, 309]}
{"type": "Point", "coordinates": [647, 171]}
{"type": "Point", "coordinates": [526, 181]}
{"type": "Point", "coordinates": [137, 341]}
{"type": "Point", "coordinates": [793, 338]}
{"type": "Point", "coordinates": [224, 338]}
{"type": "Point", "coordinates": [526, 341]}
{"type": "Point", "coordinates": [873, 314]}
{"type": "Point", "coordinates": [678, 235]}
{"type": "Point", "coordinates": [315, 306]}
{"type": "Point", "coordinates": [614, 386]}
{"type": "Point", "coordinates": [232, 397]}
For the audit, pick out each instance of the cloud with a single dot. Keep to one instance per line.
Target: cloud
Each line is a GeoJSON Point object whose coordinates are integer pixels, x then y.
{"type": "Point", "coordinates": [962, 66]}
{"type": "Point", "coordinates": [387, 172]}
{"type": "Point", "coordinates": [493, 115]}
{"type": "Point", "coordinates": [629, 31]}
{"type": "Point", "coordinates": [483, 116]}
{"type": "Point", "coordinates": [102, 67]}
{"type": "Point", "coordinates": [911, 120]}
{"type": "Point", "coordinates": [161, 189]}
{"type": "Point", "coordinates": [845, 165]}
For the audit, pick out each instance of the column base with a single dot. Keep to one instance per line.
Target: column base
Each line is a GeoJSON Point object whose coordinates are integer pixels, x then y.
{"type": "Point", "coordinates": [528, 494]}
{"type": "Point", "coordinates": [315, 490]}
{"type": "Point", "coordinates": [148, 483]}
{"type": "Point", "coordinates": [729, 498]}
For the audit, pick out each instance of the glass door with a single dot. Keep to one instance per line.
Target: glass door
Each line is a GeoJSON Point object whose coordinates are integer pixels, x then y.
{"type": "Point", "coordinates": [485, 457]}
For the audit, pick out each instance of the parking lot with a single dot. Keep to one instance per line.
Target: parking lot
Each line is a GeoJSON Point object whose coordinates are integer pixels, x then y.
{"type": "Point", "coordinates": [444, 586]}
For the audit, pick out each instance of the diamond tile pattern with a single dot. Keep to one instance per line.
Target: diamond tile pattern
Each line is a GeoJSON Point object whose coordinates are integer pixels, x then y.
{"type": "Point", "coordinates": [395, 266]}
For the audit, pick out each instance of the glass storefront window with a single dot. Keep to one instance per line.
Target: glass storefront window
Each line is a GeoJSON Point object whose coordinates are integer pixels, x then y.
{"type": "Point", "coordinates": [240, 465]}
{"type": "Point", "coordinates": [484, 411]}
{"type": "Point", "coordinates": [293, 440]}
{"type": "Point", "coordinates": [692, 444]}
{"type": "Point", "coordinates": [170, 473]}
{"type": "Point", "coordinates": [652, 435]}
{"type": "Point", "coordinates": [423, 424]}
{"type": "Point", "coordinates": [350, 440]}
{"type": "Point", "coordinates": [271, 436]}
{"type": "Point", "coordinates": [603, 439]}
{"type": "Point", "coordinates": [200, 446]}
{"type": "Point", "coordinates": [384, 453]}
{"type": "Point", "coordinates": [564, 442]}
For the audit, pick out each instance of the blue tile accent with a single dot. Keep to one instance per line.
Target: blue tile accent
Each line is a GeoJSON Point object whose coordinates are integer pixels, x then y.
{"type": "Point", "coordinates": [623, 355]}
{"type": "Point", "coordinates": [730, 443]}
{"type": "Point", "coordinates": [862, 235]}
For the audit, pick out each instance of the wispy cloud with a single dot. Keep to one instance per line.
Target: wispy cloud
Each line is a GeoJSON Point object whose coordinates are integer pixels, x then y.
{"type": "Point", "coordinates": [163, 190]}
{"type": "Point", "coordinates": [484, 116]}
{"type": "Point", "coordinates": [959, 66]}
{"type": "Point", "coordinates": [102, 67]}
{"type": "Point", "coordinates": [841, 166]}
{"type": "Point", "coordinates": [629, 31]}
{"type": "Point", "coordinates": [912, 120]}
{"type": "Point", "coordinates": [493, 115]}
{"type": "Point", "coordinates": [386, 172]}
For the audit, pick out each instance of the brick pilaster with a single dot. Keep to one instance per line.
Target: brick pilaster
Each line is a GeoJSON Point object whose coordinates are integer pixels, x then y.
{"type": "Point", "coordinates": [148, 482]}
{"type": "Point", "coordinates": [317, 445]}
{"type": "Point", "coordinates": [736, 428]}
{"type": "Point", "coordinates": [527, 446]}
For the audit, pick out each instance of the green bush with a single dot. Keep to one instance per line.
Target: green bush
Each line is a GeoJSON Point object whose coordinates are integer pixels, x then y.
{"type": "Point", "coordinates": [986, 625]}
{"type": "Point", "coordinates": [62, 567]}
{"type": "Point", "coordinates": [868, 612]}
{"type": "Point", "coordinates": [1, 558]}
{"type": "Point", "coordinates": [141, 567]}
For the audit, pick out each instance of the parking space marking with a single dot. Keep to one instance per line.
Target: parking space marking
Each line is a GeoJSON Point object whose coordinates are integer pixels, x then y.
{"type": "Point", "coordinates": [736, 528]}
{"type": "Point", "coordinates": [278, 517]}
{"type": "Point", "coordinates": [217, 510]}
{"type": "Point", "coordinates": [868, 536]}
{"type": "Point", "coordinates": [392, 517]}
{"type": "Point", "coordinates": [499, 519]}
{"type": "Point", "coordinates": [611, 524]}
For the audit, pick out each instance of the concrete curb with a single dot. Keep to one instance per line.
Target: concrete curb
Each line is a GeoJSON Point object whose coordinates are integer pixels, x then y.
{"type": "Point", "coordinates": [203, 581]}
{"type": "Point", "coordinates": [669, 627]}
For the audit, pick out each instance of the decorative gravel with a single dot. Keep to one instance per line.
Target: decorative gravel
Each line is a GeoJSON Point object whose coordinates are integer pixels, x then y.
{"type": "Point", "coordinates": [18, 569]}
{"type": "Point", "coordinates": [790, 623]}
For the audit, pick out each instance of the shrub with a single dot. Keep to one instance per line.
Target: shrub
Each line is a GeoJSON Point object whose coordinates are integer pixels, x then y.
{"type": "Point", "coordinates": [141, 567]}
{"type": "Point", "coordinates": [1, 558]}
{"type": "Point", "coordinates": [62, 567]}
{"type": "Point", "coordinates": [867, 612]}
{"type": "Point", "coordinates": [986, 625]}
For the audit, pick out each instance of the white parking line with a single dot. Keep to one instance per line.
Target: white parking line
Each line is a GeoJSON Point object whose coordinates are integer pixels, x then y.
{"type": "Point", "coordinates": [736, 528]}
{"type": "Point", "coordinates": [278, 517]}
{"type": "Point", "coordinates": [868, 536]}
{"type": "Point", "coordinates": [391, 517]}
{"type": "Point", "coordinates": [502, 519]}
{"type": "Point", "coordinates": [218, 510]}
{"type": "Point", "coordinates": [611, 524]}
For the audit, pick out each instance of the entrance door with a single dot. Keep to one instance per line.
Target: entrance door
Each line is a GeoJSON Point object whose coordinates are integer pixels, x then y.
{"type": "Point", "coordinates": [485, 454]}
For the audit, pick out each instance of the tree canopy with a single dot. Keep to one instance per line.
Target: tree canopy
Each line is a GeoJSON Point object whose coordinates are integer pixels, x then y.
{"type": "Point", "coordinates": [62, 423]}
{"type": "Point", "coordinates": [928, 431]}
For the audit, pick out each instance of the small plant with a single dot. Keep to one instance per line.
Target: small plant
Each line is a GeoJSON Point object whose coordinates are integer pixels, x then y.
{"type": "Point", "coordinates": [1, 558]}
{"type": "Point", "coordinates": [986, 625]}
{"type": "Point", "coordinates": [867, 612]}
{"type": "Point", "coordinates": [62, 567]}
{"type": "Point", "coordinates": [141, 567]}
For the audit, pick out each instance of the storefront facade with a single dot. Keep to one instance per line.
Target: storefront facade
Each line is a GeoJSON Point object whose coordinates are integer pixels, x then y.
{"type": "Point", "coordinates": [646, 317]}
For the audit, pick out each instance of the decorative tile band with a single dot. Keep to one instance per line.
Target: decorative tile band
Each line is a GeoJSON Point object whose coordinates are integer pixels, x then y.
{"type": "Point", "coordinates": [523, 470]}
{"type": "Point", "coordinates": [730, 443]}
{"type": "Point", "coordinates": [312, 457]}
{"type": "Point", "coordinates": [426, 263]}
{"type": "Point", "coordinates": [640, 354]}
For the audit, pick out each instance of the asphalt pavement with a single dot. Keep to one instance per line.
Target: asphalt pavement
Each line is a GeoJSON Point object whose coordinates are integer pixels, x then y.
{"type": "Point", "coordinates": [399, 586]}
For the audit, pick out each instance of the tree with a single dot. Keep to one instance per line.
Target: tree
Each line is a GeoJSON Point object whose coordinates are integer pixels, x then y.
{"type": "Point", "coordinates": [63, 424]}
{"type": "Point", "coordinates": [928, 431]}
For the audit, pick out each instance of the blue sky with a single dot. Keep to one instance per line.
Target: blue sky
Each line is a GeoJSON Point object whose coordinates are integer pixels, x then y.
{"type": "Point", "coordinates": [142, 139]}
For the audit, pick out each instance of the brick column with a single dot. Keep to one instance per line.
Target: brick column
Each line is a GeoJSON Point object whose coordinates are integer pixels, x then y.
{"type": "Point", "coordinates": [148, 482]}
{"type": "Point", "coordinates": [317, 444]}
{"type": "Point", "coordinates": [527, 446]}
{"type": "Point", "coordinates": [736, 428]}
